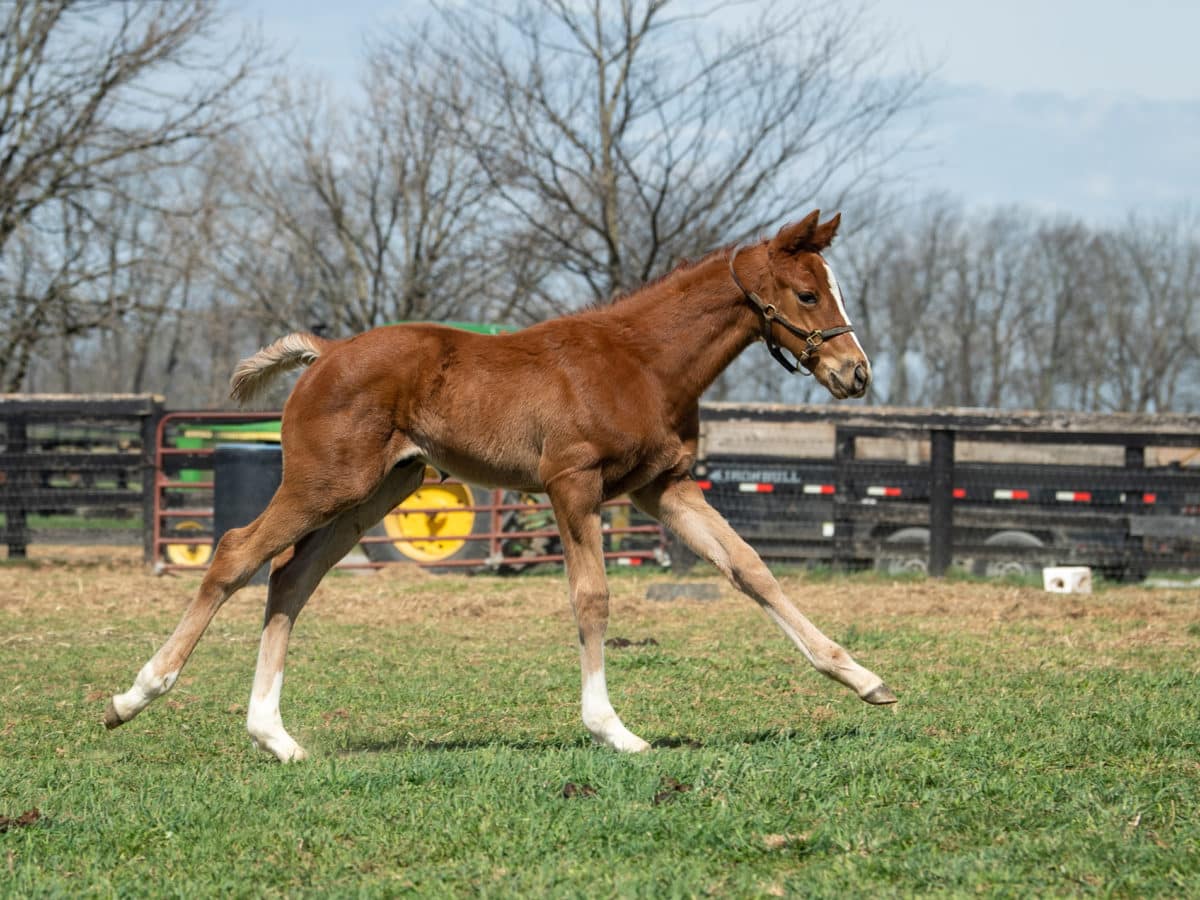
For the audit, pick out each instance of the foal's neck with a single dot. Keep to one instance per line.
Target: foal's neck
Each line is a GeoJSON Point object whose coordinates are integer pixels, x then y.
{"type": "Point", "coordinates": [699, 322]}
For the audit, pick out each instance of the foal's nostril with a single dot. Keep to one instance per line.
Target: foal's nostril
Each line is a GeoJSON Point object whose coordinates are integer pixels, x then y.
{"type": "Point", "coordinates": [861, 378]}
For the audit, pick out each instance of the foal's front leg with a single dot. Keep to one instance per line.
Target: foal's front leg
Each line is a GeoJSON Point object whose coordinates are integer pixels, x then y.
{"type": "Point", "coordinates": [577, 509]}
{"type": "Point", "coordinates": [681, 506]}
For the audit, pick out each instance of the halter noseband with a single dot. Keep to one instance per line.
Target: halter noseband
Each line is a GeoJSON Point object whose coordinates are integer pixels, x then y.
{"type": "Point", "coordinates": [812, 339]}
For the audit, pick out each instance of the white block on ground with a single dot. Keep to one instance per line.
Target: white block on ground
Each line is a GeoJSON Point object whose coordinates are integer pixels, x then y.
{"type": "Point", "coordinates": [1067, 579]}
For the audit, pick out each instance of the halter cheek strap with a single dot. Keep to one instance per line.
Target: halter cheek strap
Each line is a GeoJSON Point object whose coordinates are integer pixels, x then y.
{"type": "Point", "coordinates": [771, 315]}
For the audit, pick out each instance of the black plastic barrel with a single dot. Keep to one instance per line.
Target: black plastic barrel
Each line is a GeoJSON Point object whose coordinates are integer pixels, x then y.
{"type": "Point", "coordinates": [245, 477]}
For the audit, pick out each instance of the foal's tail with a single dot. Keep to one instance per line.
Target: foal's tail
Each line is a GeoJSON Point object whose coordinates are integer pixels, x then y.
{"type": "Point", "coordinates": [287, 353]}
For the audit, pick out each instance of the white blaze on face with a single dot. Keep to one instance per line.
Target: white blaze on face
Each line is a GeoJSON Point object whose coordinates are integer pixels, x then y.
{"type": "Point", "coordinates": [836, 290]}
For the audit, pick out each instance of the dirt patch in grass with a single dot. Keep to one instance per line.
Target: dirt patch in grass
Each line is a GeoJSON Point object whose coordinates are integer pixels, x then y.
{"type": "Point", "coordinates": [109, 584]}
{"type": "Point", "coordinates": [27, 818]}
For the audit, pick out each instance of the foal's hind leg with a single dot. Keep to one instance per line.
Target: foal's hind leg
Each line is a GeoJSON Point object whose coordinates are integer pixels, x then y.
{"type": "Point", "coordinates": [681, 506]}
{"type": "Point", "coordinates": [241, 551]}
{"type": "Point", "coordinates": [292, 583]}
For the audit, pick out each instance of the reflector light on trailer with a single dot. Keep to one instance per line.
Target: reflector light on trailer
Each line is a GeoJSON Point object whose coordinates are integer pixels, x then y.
{"type": "Point", "coordinates": [819, 489]}
{"type": "Point", "coordinates": [1149, 498]}
{"type": "Point", "coordinates": [960, 493]}
{"type": "Point", "coordinates": [880, 491]}
{"type": "Point", "coordinates": [1073, 496]}
{"type": "Point", "coordinates": [1005, 494]}
{"type": "Point", "coordinates": [755, 487]}
{"type": "Point", "coordinates": [704, 485]}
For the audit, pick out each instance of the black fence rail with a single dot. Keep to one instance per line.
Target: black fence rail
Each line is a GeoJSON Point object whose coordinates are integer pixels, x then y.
{"type": "Point", "coordinates": [895, 489]}
{"type": "Point", "coordinates": [74, 456]}
{"type": "Point", "coordinates": [972, 492]}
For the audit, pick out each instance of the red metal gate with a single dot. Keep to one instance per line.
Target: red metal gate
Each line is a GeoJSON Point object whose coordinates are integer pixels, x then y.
{"type": "Point", "coordinates": [516, 530]}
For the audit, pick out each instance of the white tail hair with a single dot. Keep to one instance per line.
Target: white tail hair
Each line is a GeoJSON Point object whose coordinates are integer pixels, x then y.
{"type": "Point", "coordinates": [287, 353]}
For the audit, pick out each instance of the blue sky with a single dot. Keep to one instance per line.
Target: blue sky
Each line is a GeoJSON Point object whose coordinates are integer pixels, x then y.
{"type": "Point", "coordinates": [1089, 109]}
{"type": "Point", "coordinates": [1084, 108]}
{"type": "Point", "coordinates": [1071, 47]}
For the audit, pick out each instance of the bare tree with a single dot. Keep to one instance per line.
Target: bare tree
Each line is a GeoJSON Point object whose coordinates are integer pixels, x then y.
{"type": "Point", "coordinates": [95, 98]}
{"type": "Point", "coordinates": [622, 137]}
{"type": "Point", "coordinates": [897, 274]}
{"type": "Point", "coordinates": [974, 334]}
{"type": "Point", "coordinates": [1151, 274]}
{"type": "Point", "coordinates": [1002, 308]}
{"type": "Point", "coordinates": [375, 216]}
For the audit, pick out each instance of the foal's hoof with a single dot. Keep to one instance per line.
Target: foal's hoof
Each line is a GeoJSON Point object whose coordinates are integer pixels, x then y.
{"type": "Point", "coordinates": [282, 747]}
{"type": "Point", "coordinates": [111, 719]}
{"type": "Point", "coordinates": [620, 738]}
{"type": "Point", "coordinates": [880, 696]}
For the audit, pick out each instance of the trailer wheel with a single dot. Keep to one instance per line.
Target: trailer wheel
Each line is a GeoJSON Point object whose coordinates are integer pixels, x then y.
{"type": "Point", "coordinates": [912, 559]}
{"type": "Point", "coordinates": [1017, 566]}
{"type": "Point", "coordinates": [438, 535]}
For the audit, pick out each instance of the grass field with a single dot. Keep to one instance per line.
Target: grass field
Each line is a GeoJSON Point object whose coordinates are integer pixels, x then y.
{"type": "Point", "coordinates": [66, 522]}
{"type": "Point", "coordinates": [1043, 746]}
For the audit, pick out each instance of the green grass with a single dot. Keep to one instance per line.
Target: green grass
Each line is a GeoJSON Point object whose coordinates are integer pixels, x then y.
{"type": "Point", "coordinates": [1038, 750]}
{"type": "Point", "coordinates": [81, 523]}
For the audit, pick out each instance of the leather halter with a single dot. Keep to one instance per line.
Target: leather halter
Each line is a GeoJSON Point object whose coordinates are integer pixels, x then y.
{"type": "Point", "coordinates": [812, 339]}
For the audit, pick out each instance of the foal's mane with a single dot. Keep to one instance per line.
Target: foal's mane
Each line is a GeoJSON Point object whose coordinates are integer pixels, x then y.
{"type": "Point", "coordinates": [684, 265]}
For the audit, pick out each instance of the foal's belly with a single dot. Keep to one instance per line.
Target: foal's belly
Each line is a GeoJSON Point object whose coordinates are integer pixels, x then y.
{"type": "Point", "coordinates": [520, 472]}
{"type": "Point", "coordinates": [512, 472]}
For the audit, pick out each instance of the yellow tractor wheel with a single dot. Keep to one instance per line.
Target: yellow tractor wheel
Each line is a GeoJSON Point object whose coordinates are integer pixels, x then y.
{"type": "Point", "coordinates": [195, 553]}
{"type": "Point", "coordinates": [433, 525]}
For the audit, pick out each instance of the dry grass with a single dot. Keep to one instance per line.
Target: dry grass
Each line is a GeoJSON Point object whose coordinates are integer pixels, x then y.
{"type": "Point", "coordinates": [111, 583]}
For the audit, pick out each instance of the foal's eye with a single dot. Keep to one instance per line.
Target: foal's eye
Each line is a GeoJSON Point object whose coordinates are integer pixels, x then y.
{"type": "Point", "coordinates": [806, 298]}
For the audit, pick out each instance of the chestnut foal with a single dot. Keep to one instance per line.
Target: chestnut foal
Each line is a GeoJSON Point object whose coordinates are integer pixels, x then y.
{"type": "Point", "coordinates": [583, 408]}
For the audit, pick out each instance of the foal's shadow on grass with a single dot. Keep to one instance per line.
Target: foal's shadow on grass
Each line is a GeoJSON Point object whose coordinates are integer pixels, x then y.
{"type": "Point", "coordinates": [753, 738]}
{"type": "Point", "coordinates": [849, 732]}
{"type": "Point", "coordinates": [354, 746]}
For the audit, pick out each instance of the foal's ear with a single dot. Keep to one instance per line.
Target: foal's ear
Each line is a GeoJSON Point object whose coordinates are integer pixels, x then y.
{"type": "Point", "coordinates": [823, 234]}
{"type": "Point", "coordinates": [806, 235]}
{"type": "Point", "coordinates": [797, 237]}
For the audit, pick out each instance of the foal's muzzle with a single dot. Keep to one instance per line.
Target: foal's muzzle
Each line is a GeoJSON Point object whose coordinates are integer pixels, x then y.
{"type": "Point", "coordinates": [850, 379]}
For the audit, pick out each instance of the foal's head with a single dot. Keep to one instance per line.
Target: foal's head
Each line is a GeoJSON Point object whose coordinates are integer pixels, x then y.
{"type": "Point", "coordinates": [800, 290]}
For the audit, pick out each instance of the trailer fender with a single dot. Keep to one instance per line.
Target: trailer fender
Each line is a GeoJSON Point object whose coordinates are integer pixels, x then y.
{"type": "Point", "coordinates": [1018, 565]}
{"type": "Point", "coordinates": [910, 559]}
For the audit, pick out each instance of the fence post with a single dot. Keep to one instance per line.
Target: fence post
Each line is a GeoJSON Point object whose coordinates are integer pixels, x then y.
{"type": "Point", "coordinates": [941, 500]}
{"type": "Point", "coordinates": [843, 514]}
{"type": "Point", "coordinates": [1135, 549]}
{"type": "Point", "coordinates": [21, 481]}
{"type": "Point", "coordinates": [150, 478]}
